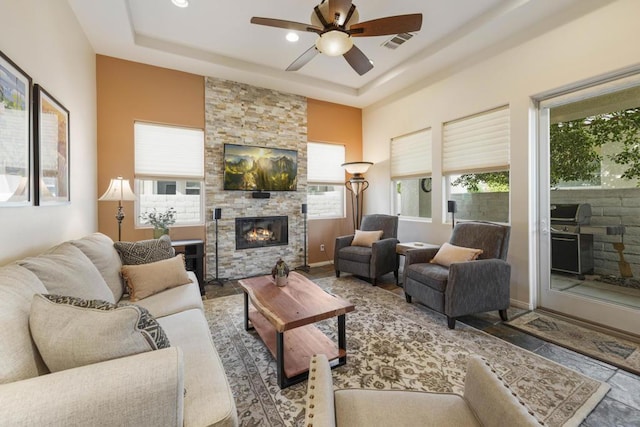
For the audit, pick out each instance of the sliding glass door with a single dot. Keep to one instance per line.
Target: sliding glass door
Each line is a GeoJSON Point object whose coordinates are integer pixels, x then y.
{"type": "Point", "coordinates": [589, 203]}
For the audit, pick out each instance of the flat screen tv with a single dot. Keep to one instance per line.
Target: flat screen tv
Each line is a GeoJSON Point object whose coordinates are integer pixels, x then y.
{"type": "Point", "coordinates": [252, 168]}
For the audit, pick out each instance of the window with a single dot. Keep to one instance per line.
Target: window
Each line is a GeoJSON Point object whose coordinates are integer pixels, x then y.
{"type": "Point", "coordinates": [475, 163]}
{"type": "Point", "coordinates": [411, 174]}
{"type": "Point", "coordinates": [169, 171]}
{"type": "Point", "coordinates": [325, 180]}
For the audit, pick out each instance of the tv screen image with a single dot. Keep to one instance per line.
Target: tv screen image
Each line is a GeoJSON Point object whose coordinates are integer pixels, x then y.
{"type": "Point", "coordinates": [253, 168]}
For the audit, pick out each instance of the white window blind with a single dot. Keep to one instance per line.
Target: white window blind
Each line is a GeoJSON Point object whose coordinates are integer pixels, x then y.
{"type": "Point", "coordinates": [411, 155]}
{"type": "Point", "coordinates": [324, 160]}
{"type": "Point", "coordinates": [477, 143]}
{"type": "Point", "coordinates": [168, 151]}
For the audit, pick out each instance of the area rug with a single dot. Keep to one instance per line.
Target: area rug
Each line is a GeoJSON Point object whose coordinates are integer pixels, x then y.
{"type": "Point", "coordinates": [392, 345]}
{"type": "Point", "coordinates": [624, 354]}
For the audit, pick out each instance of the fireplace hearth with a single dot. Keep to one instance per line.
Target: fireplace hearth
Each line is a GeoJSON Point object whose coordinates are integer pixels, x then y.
{"type": "Point", "coordinates": [257, 232]}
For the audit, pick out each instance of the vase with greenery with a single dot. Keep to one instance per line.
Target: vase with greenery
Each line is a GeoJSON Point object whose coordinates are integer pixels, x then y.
{"type": "Point", "coordinates": [159, 220]}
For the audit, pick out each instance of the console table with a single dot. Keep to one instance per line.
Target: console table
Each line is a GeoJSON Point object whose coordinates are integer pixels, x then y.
{"type": "Point", "coordinates": [193, 250]}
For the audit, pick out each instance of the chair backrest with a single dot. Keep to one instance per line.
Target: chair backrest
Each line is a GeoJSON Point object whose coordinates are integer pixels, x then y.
{"type": "Point", "coordinates": [492, 238]}
{"type": "Point", "coordinates": [387, 223]}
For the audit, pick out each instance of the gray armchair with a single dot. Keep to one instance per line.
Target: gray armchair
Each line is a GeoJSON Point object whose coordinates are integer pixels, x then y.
{"type": "Point", "coordinates": [373, 262]}
{"type": "Point", "coordinates": [463, 287]}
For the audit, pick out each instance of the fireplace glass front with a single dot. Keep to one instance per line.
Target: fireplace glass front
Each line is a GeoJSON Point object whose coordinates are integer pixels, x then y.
{"type": "Point", "coordinates": [257, 232]}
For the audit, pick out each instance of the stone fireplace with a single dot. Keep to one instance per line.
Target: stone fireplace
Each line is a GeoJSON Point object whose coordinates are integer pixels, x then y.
{"type": "Point", "coordinates": [241, 114]}
{"type": "Point", "coordinates": [257, 232]}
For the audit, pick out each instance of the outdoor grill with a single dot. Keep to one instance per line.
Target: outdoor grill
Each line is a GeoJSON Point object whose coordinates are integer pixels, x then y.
{"type": "Point", "coordinates": [571, 249]}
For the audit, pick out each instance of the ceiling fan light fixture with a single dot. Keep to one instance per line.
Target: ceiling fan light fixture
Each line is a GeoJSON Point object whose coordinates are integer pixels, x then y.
{"type": "Point", "coordinates": [180, 3]}
{"type": "Point", "coordinates": [334, 43]}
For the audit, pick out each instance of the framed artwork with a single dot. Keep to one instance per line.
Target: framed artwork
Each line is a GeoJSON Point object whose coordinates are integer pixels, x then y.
{"type": "Point", "coordinates": [15, 134]}
{"type": "Point", "coordinates": [51, 154]}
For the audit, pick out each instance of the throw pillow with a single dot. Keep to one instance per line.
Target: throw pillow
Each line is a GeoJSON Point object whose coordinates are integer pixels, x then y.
{"type": "Point", "coordinates": [448, 254]}
{"type": "Point", "coordinates": [145, 251]}
{"type": "Point", "coordinates": [147, 279]}
{"type": "Point", "coordinates": [65, 270]}
{"type": "Point", "coordinates": [71, 332]}
{"type": "Point", "coordinates": [99, 249]}
{"type": "Point", "coordinates": [366, 238]}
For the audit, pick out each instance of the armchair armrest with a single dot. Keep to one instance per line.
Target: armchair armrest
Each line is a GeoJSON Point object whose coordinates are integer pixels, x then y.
{"type": "Point", "coordinates": [146, 389]}
{"type": "Point", "coordinates": [383, 256]}
{"type": "Point", "coordinates": [476, 286]}
{"type": "Point", "coordinates": [320, 407]}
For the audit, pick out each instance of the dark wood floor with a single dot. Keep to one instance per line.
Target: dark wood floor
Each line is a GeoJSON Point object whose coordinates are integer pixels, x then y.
{"type": "Point", "coordinates": [620, 407]}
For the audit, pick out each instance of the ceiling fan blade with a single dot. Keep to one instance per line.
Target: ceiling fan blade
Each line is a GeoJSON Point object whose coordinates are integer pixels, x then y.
{"type": "Point", "coordinates": [387, 26]}
{"type": "Point", "coordinates": [303, 59]}
{"type": "Point", "coordinates": [289, 25]}
{"type": "Point", "coordinates": [358, 60]}
{"type": "Point", "coordinates": [340, 7]}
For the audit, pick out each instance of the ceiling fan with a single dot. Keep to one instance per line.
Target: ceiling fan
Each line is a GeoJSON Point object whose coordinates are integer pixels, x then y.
{"type": "Point", "coordinates": [336, 22]}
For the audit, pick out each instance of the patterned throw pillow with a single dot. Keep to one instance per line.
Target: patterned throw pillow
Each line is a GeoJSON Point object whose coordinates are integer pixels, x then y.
{"type": "Point", "coordinates": [71, 332]}
{"type": "Point", "coordinates": [145, 251]}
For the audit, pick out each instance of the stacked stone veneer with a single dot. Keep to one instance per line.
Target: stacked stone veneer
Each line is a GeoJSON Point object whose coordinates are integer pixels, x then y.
{"type": "Point", "coordinates": [236, 113]}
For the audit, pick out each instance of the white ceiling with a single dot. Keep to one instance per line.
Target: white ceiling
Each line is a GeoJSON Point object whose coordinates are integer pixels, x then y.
{"type": "Point", "coordinates": [215, 38]}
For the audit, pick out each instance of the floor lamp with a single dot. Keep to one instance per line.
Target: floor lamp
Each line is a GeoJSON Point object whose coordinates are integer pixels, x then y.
{"type": "Point", "coordinates": [356, 185]}
{"type": "Point", "coordinates": [119, 190]}
{"type": "Point", "coordinates": [217, 214]}
{"type": "Point", "coordinates": [304, 267]}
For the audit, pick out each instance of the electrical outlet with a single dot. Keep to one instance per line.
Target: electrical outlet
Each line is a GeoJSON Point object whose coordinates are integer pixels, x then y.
{"type": "Point", "coordinates": [321, 248]}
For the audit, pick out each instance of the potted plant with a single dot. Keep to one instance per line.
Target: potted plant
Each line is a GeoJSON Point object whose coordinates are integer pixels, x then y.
{"type": "Point", "coordinates": [160, 221]}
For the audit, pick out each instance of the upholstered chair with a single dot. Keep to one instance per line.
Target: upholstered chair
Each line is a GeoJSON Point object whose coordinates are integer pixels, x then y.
{"type": "Point", "coordinates": [376, 256]}
{"type": "Point", "coordinates": [486, 401]}
{"type": "Point", "coordinates": [455, 286]}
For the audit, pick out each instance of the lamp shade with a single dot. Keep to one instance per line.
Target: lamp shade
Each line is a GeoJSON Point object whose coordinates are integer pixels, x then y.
{"type": "Point", "coordinates": [119, 189]}
{"type": "Point", "coordinates": [334, 43]}
{"type": "Point", "coordinates": [356, 168]}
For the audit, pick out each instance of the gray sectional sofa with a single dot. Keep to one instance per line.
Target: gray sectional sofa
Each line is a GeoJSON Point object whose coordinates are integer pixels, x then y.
{"type": "Point", "coordinates": [181, 384]}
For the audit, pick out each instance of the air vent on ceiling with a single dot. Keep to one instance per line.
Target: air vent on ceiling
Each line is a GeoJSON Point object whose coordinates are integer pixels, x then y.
{"type": "Point", "coordinates": [397, 40]}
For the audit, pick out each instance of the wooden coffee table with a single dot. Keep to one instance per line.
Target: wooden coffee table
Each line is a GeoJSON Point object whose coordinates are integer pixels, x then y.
{"type": "Point", "coordinates": [284, 317]}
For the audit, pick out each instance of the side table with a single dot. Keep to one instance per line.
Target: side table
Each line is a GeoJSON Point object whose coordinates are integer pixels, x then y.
{"type": "Point", "coordinates": [193, 250]}
{"type": "Point", "coordinates": [402, 248]}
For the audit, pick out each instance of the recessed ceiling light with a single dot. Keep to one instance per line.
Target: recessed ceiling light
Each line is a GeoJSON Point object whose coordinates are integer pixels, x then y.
{"type": "Point", "coordinates": [293, 37]}
{"type": "Point", "coordinates": [181, 3]}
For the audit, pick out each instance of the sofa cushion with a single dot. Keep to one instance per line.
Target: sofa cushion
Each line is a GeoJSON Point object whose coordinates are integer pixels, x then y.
{"type": "Point", "coordinates": [366, 238]}
{"type": "Point", "coordinates": [360, 407]}
{"type": "Point", "coordinates": [356, 254]}
{"type": "Point", "coordinates": [72, 332]}
{"type": "Point", "coordinates": [145, 251]}
{"type": "Point", "coordinates": [65, 270]}
{"type": "Point", "coordinates": [448, 254]}
{"type": "Point", "coordinates": [19, 357]}
{"type": "Point", "coordinates": [433, 275]}
{"type": "Point", "coordinates": [99, 249]}
{"type": "Point", "coordinates": [174, 300]}
{"type": "Point", "coordinates": [148, 279]}
{"type": "Point", "coordinates": [209, 400]}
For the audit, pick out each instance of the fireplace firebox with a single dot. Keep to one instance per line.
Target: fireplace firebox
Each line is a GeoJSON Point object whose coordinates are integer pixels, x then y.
{"type": "Point", "coordinates": [257, 232]}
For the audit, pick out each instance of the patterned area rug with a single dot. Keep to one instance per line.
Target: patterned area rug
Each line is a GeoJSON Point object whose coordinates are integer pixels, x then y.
{"type": "Point", "coordinates": [618, 352]}
{"type": "Point", "coordinates": [392, 345]}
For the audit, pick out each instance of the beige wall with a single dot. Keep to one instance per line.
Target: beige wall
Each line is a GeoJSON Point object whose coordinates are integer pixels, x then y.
{"type": "Point", "coordinates": [129, 91]}
{"type": "Point", "coordinates": [45, 40]}
{"type": "Point", "coordinates": [595, 44]}
{"type": "Point", "coordinates": [339, 124]}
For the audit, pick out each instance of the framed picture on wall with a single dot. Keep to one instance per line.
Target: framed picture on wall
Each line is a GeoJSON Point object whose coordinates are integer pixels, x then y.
{"type": "Point", "coordinates": [51, 154]}
{"type": "Point", "coordinates": [15, 134]}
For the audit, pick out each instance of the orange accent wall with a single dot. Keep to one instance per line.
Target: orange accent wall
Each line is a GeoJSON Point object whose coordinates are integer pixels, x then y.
{"type": "Point", "coordinates": [339, 124]}
{"type": "Point", "coordinates": [126, 92]}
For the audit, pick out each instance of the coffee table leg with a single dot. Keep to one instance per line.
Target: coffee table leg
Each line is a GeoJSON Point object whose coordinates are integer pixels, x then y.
{"type": "Point", "coordinates": [342, 337]}
{"type": "Point", "coordinates": [246, 311]}
{"type": "Point", "coordinates": [282, 379]}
